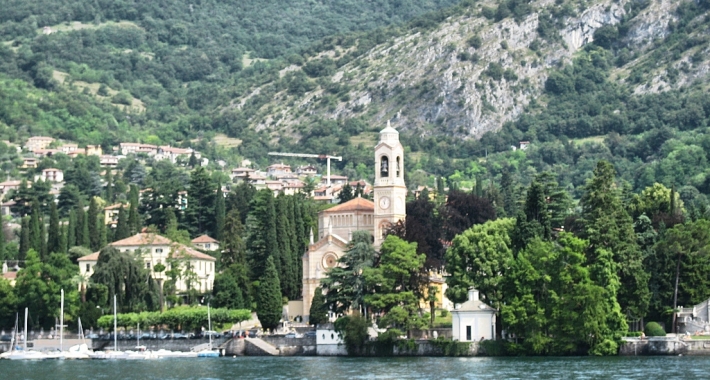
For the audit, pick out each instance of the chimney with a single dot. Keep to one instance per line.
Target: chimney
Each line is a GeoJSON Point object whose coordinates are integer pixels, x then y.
{"type": "Point", "coordinates": [472, 294]}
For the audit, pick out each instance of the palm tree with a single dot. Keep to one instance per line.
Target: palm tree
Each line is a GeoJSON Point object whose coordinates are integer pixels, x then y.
{"type": "Point", "coordinates": [82, 281]}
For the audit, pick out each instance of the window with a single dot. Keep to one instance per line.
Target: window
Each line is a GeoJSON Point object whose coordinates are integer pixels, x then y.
{"type": "Point", "coordinates": [158, 250]}
{"type": "Point", "coordinates": [147, 265]}
{"type": "Point", "coordinates": [397, 167]}
{"type": "Point", "coordinates": [384, 167]}
{"type": "Point", "coordinates": [207, 246]}
{"type": "Point", "coordinates": [88, 268]}
{"type": "Point", "coordinates": [468, 333]}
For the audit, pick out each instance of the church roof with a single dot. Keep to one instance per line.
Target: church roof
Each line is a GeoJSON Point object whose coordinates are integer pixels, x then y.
{"type": "Point", "coordinates": [355, 204]}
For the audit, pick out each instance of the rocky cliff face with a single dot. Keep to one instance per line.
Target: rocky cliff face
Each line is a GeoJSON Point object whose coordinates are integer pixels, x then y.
{"type": "Point", "coordinates": [471, 74]}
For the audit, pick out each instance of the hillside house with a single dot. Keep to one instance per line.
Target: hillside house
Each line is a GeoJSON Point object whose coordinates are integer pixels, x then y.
{"type": "Point", "coordinates": [206, 243]}
{"type": "Point", "coordinates": [278, 169]}
{"type": "Point", "coordinates": [52, 175]}
{"type": "Point", "coordinates": [38, 142]}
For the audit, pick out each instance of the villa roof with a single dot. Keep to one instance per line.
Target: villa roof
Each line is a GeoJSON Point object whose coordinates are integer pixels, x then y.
{"type": "Point", "coordinates": [184, 251]}
{"type": "Point", "coordinates": [92, 257]}
{"type": "Point", "coordinates": [204, 239]}
{"type": "Point", "coordinates": [142, 238]}
{"type": "Point", "coordinates": [355, 204]}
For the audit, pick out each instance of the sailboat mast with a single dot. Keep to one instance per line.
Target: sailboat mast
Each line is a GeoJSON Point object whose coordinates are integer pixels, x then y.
{"type": "Point", "coordinates": [61, 324]}
{"type": "Point", "coordinates": [115, 327]}
{"type": "Point", "coordinates": [25, 332]}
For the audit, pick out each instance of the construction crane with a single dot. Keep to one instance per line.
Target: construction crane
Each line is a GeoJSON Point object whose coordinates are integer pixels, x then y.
{"type": "Point", "coordinates": [319, 156]}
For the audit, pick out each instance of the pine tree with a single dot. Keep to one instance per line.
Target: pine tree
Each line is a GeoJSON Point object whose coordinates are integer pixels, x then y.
{"type": "Point", "coordinates": [134, 220]}
{"type": "Point", "coordinates": [609, 229]}
{"type": "Point", "coordinates": [506, 186]}
{"type": "Point", "coordinates": [319, 310]}
{"type": "Point", "coordinates": [71, 230]}
{"type": "Point", "coordinates": [219, 214]}
{"type": "Point", "coordinates": [35, 236]}
{"type": "Point", "coordinates": [268, 303]}
{"type": "Point", "coordinates": [54, 233]}
{"type": "Point", "coordinates": [92, 220]}
{"type": "Point", "coordinates": [232, 245]}
{"type": "Point", "coordinates": [123, 229]}
{"type": "Point", "coordinates": [110, 196]}
{"type": "Point", "coordinates": [346, 193]}
{"type": "Point", "coordinates": [24, 238]}
{"type": "Point", "coordinates": [535, 222]}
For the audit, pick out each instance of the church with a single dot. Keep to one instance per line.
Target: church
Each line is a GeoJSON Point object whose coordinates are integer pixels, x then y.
{"type": "Point", "coordinates": [336, 224]}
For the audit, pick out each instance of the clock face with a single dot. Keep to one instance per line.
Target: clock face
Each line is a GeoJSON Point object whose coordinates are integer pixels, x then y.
{"type": "Point", "coordinates": [384, 203]}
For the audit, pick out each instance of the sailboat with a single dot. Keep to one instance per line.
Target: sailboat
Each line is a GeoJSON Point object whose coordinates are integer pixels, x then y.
{"type": "Point", "coordinates": [18, 353]}
{"type": "Point", "coordinates": [79, 351]}
{"type": "Point", "coordinates": [209, 352]}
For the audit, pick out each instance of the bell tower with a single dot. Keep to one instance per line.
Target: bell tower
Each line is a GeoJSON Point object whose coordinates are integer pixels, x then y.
{"type": "Point", "coordinates": [390, 190]}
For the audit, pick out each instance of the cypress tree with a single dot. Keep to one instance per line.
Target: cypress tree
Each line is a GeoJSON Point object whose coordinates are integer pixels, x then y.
{"type": "Point", "coordinates": [92, 222]}
{"type": "Point", "coordinates": [318, 313]}
{"type": "Point", "coordinates": [219, 214]}
{"type": "Point", "coordinates": [296, 252]}
{"type": "Point", "coordinates": [261, 237]}
{"type": "Point", "coordinates": [346, 193]}
{"type": "Point", "coordinates": [54, 233]}
{"type": "Point", "coordinates": [134, 221]}
{"type": "Point", "coordinates": [2, 239]}
{"type": "Point", "coordinates": [24, 237]}
{"type": "Point", "coordinates": [85, 239]}
{"type": "Point", "coordinates": [103, 232]}
{"type": "Point", "coordinates": [43, 240]}
{"type": "Point", "coordinates": [71, 230]}
{"type": "Point", "coordinates": [63, 239]}
{"type": "Point", "coordinates": [80, 221]}
{"type": "Point", "coordinates": [268, 303]}
{"type": "Point", "coordinates": [123, 229]}
{"type": "Point", "coordinates": [36, 228]}
{"type": "Point", "coordinates": [287, 277]}
{"type": "Point", "coordinates": [506, 187]}
{"type": "Point", "coordinates": [110, 197]}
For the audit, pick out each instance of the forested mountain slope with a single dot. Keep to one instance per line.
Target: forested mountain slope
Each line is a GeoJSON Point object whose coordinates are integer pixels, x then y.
{"type": "Point", "coordinates": [582, 80]}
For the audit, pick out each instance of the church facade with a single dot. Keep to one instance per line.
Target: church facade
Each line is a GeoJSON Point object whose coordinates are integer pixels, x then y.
{"type": "Point", "coordinates": [336, 224]}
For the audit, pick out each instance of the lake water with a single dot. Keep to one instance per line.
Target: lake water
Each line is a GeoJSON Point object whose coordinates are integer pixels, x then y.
{"type": "Point", "coordinates": [646, 368]}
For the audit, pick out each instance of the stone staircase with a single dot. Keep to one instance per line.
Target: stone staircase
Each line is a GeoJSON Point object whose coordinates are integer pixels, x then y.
{"type": "Point", "coordinates": [265, 348]}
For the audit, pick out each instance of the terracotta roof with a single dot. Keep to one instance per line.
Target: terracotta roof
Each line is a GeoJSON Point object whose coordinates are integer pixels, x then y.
{"type": "Point", "coordinates": [184, 251]}
{"type": "Point", "coordinates": [142, 239]}
{"type": "Point", "coordinates": [204, 239]}
{"type": "Point", "coordinates": [9, 275]}
{"type": "Point", "coordinates": [115, 206]}
{"type": "Point", "coordinates": [355, 204]}
{"type": "Point", "coordinates": [92, 257]}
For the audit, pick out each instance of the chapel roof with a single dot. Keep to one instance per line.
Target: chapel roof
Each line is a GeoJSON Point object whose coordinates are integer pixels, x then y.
{"type": "Point", "coordinates": [355, 204]}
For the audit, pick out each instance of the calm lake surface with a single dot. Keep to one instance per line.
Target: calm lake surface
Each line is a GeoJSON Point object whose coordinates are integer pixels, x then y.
{"type": "Point", "coordinates": [365, 368]}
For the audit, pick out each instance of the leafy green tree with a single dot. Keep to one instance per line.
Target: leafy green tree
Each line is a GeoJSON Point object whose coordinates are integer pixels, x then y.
{"type": "Point", "coordinates": [8, 303]}
{"type": "Point", "coordinates": [396, 285]}
{"type": "Point", "coordinates": [353, 331]}
{"type": "Point", "coordinates": [69, 198]}
{"type": "Point", "coordinates": [687, 248]}
{"type": "Point", "coordinates": [54, 232]}
{"type": "Point", "coordinates": [609, 227]}
{"type": "Point", "coordinates": [479, 257]}
{"type": "Point", "coordinates": [269, 308]}
{"type": "Point", "coordinates": [226, 291]}
{"type": "Point", "coordinates": [345, 284]}
{"type": "Point", "coordinates": [318, 314]}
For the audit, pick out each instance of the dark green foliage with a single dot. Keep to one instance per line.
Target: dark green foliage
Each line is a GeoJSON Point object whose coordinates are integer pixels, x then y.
{"type": "Point", "coordinates": [345, 285]}
{"type": "Point", "coordinates": [268, 300]}
{"type": "Point", "coordinates": [200, 203]}
{"type": "Point", "coordinates": [463, 211]}
{"type": "Point", "coordinates": [8, 303]}
{"type": "Point", "coordinates": [134, 220]}
{"type": "Point", "coordinates": [123, 229]}
{"type": "Point", "coordinates": [219, 214]}
{"type": "Point", "coordinates": [54, 232]}
{"type": "Point", "coordinates": [346, 193]}
{"type": "Point", "coordinates": [35, 231]}
{"type": "Point", "coordinates": [92, 221]}
{"type": "Point", "coordinates": [318, 314]}
{"type": "Point", "coordinates": [261, 241]}
{"type": "Point", "coordinates": [606, 36]}
{"type": "Point", "coordinates": [226, 291]}
{"type": "Point", "coordinates": [449, 347]}
{"type": "Point", "coordinates": [654, 329]}
{"type": "Point", "coordinates": [127, 278]}
{"type": "Point", "coordinates": [287, 275]}
{"type": "Point", "coordinates": [353, 331]}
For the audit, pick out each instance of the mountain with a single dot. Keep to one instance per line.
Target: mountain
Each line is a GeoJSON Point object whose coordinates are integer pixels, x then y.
{"type": "Point", "coordinates": [580, 80]}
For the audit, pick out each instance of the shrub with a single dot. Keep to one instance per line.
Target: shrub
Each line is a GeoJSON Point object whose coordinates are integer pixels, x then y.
{"type": "Point", "coordinates": [654, 329]}
{"type": "Point", "coordinates": [450, 347]}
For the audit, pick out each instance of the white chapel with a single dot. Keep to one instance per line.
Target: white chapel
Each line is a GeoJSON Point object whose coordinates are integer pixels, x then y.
{"type": "Point", "coordinates": [336, 224]}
